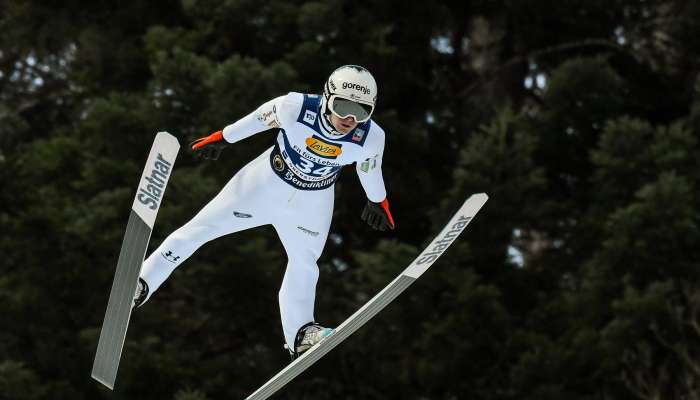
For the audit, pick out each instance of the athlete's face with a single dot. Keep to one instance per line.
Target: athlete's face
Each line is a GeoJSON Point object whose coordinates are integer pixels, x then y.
{"type": "Point", "coordinates": [343, 125]}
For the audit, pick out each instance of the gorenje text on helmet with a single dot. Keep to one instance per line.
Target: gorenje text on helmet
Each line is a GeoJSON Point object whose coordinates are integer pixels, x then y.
{"type": "Point", "coordinates": [350, 85]}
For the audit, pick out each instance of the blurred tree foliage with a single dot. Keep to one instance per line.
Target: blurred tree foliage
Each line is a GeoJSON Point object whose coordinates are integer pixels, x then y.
{"type": "Point", "coordinates": [579, 280]}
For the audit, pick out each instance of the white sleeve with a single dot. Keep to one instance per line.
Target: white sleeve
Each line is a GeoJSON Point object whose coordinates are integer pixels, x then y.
{"type": "Point", "coordinates": [369, 169]}
{"type": "Point", "coordinates": [276, 113]}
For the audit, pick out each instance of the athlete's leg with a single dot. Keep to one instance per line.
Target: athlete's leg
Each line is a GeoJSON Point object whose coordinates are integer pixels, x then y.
{"type": "Point", "coordinates": [238, 206]}
{"type": "Point", "coordinates": [303, 233]}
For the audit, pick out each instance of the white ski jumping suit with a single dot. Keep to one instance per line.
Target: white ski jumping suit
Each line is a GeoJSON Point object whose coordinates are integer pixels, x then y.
{"type": "Point", "coordinates": [291, 187]}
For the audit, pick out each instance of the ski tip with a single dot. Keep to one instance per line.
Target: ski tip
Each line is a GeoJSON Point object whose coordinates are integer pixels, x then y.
{"type": "Point", "coordinates": [475, 202]}
{"type": "Point", "coordinates": [483, 196]}
{"type": "Point", "coordinates": [109, 385]}
{"type": "Point", "coordinates": [167, 137]}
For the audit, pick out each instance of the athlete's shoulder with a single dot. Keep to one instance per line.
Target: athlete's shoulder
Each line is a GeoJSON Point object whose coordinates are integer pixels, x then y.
{"type": "Point", "coordinates": [376, 135]}
{"type": "Point", "coordinates": [371, 138]}
{"type": "Point", "coordinates": [287, 107]}
{"type": "Point", "coordinates": [291, 103]}
{"type": "Point", "coordinates": [376, 130]}
{"type": "Point", "coordinates": [293, 100]}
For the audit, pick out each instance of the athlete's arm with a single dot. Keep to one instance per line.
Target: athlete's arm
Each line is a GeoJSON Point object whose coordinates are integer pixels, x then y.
{"type": "Point", "coordinates": [273, 114]}
{"type": "Point", "coordinates": [369, 170]}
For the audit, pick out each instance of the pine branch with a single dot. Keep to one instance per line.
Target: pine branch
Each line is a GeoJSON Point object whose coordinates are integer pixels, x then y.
{"type": "Point", "coordinates": [590, 42]}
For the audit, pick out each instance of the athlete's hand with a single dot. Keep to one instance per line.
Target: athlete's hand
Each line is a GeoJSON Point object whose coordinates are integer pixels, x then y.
{"type": "Point", "coordinates": [209, 147]}
{"type": "Point", "coordinates": [378, 216]}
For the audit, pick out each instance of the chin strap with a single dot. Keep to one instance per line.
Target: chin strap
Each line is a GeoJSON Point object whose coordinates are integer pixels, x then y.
{"type": "Point", "coordinates": [326, 125]}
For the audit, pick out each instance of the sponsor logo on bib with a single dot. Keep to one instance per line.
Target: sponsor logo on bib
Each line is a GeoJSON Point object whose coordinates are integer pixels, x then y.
{"type": "Point", "coordinates": [322, 148]}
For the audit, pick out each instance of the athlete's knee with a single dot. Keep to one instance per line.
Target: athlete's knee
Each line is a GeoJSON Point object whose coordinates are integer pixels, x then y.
{"type": "Point", "coordinates": [303, 257]}
{"type": "Point", "coordinates": [303, 269]}
{"type": "Point", "coordinates": [196, 233]}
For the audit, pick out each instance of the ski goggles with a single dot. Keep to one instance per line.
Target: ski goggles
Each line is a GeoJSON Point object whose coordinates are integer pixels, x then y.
{"type": "Point", "coordinates": [344, 108]}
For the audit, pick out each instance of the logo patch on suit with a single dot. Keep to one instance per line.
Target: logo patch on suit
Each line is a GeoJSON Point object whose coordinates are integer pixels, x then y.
{"type": "Point", "coordinates": [322, 148]}
{"type": "Point", "coordinates": [278, 163]}
{"type": "Point", "coordinates": [370, 163]}
{"type": "Point", "coordinates": [269, 118]}
{"type": "Point", "coordinates": [242, 215]}
{"type": "Point", "coordinates": [358, 135]}
{"type": "Point", "coordinates": [170, 257]}
{"type": "Point", "coordinates": [307, 231]}
{"type": "Point", "coordinates": [310, 117]}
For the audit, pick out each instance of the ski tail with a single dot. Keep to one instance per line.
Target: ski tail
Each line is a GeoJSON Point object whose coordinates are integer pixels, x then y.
{"type": "Point", "coordinates": [147, 201]}
{"type": "Point", "coordinates": [427, 257]}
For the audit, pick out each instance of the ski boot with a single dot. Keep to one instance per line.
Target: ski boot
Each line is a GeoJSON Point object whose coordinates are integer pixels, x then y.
{"type": "Point", "coordinates": [307, 336]}
{"type": "Point", "coordinates": [141, 294]}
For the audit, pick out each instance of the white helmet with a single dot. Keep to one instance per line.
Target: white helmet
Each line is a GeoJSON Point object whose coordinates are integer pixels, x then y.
{"type": "Point", "coordinates": [350, 91]}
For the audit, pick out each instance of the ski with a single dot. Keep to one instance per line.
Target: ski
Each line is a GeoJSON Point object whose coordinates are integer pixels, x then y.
{"type": "Point", "coordinates": [421, 264]}
{"type": "Point", "coordinates": [138, 233]}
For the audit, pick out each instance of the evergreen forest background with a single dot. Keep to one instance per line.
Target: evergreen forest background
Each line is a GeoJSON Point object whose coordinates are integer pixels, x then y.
{"type": "Point", "coordinates": [579, 280]}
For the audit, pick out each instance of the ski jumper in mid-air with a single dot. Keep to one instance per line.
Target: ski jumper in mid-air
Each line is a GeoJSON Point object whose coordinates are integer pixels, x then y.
{"type": "Point", "coordinates": [291, 187]}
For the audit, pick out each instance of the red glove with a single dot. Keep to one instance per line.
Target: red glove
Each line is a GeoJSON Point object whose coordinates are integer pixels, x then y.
{"type": "Point", "coordinates": [209, 147]}
{"type": "Point", "coordinates": [378, 216]}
